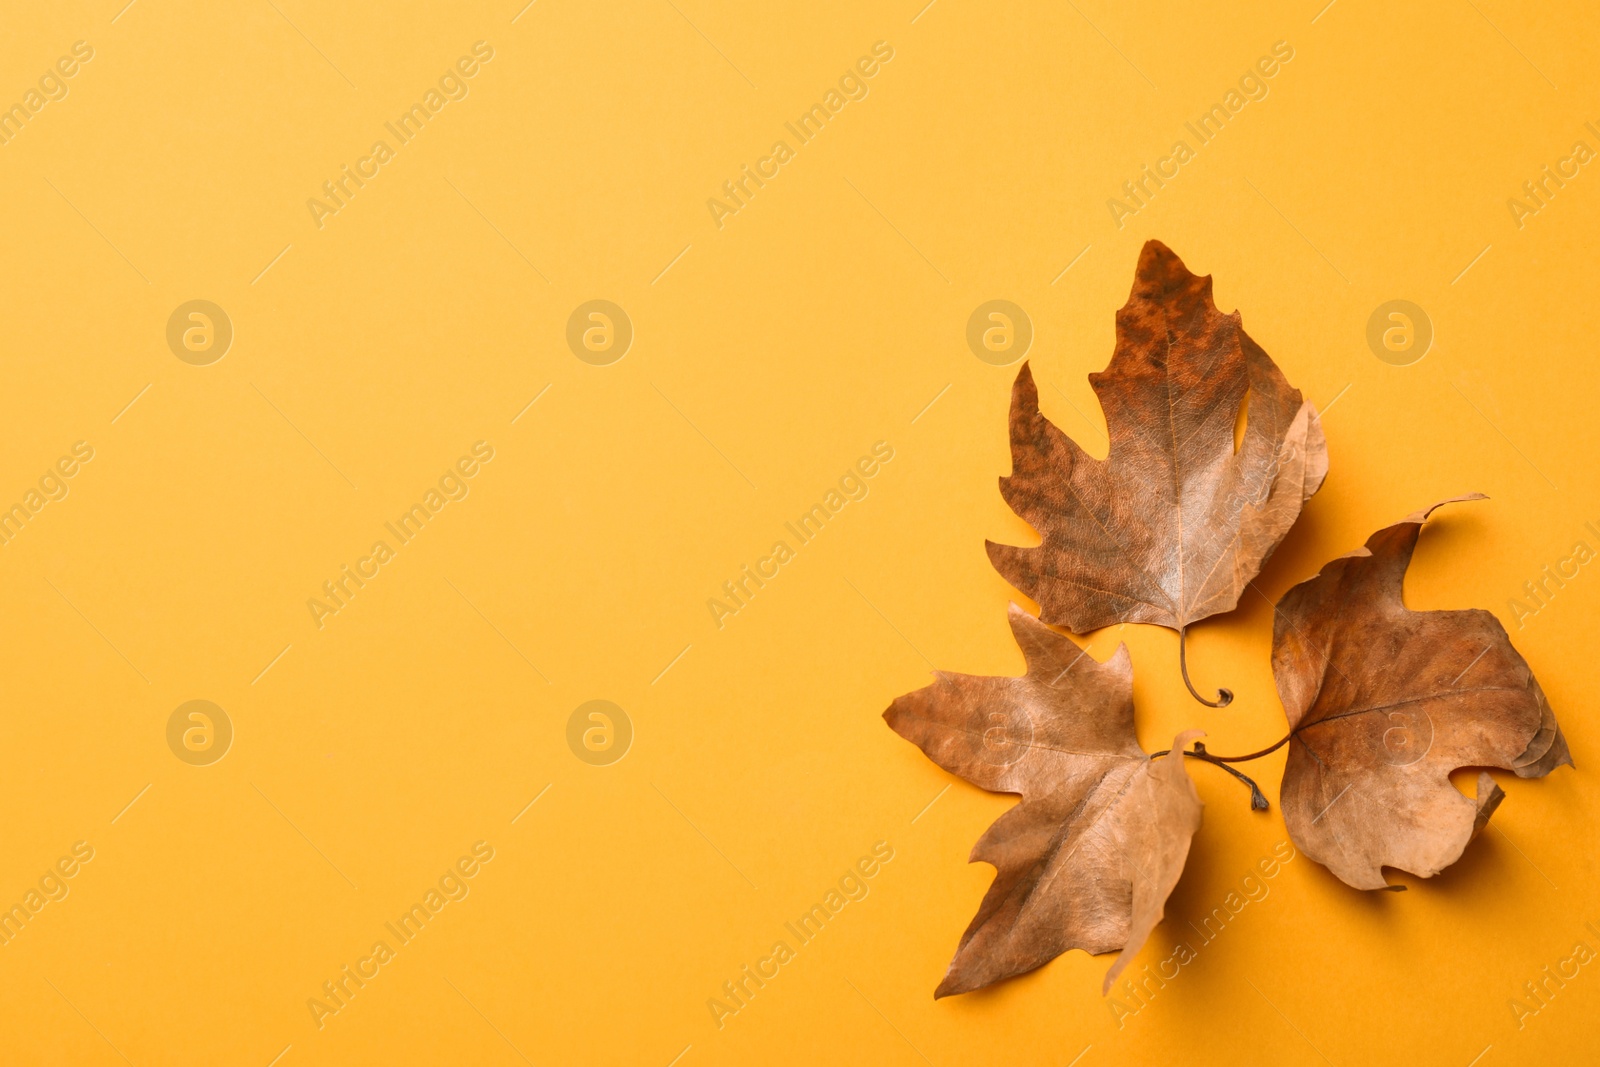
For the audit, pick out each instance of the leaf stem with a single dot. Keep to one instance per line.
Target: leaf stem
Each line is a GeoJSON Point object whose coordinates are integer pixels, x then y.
{"type": "Point", "coordinates": [1211, 757]}
{"type": "Point", "coordinates": [1258, 800]}
{"type": "Point", "coordinates": [1224, 696]}
{"type": "Point", "coordinates": [1279, 743]}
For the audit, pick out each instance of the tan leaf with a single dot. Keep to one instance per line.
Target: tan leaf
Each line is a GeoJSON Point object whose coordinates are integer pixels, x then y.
{"type": "Point", "coordinates": [1384, 702]}
{"type": "Point", "coordinates": [1089, 857]}
{"type": "Point", "coordinates": [1170, 526]}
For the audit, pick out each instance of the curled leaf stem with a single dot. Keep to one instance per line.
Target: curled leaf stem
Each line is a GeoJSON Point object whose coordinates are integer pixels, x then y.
{"type": "Point", "coordinates": [1224, 696]}
{"type": "Point", "coordinates": [1279, 743]}
{"type": "Point", "coordinates": [1258, 800]}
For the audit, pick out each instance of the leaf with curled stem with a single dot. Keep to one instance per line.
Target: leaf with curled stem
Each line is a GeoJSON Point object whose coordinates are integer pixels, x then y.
{"type": "Point", "coordinates": [1173, 523]}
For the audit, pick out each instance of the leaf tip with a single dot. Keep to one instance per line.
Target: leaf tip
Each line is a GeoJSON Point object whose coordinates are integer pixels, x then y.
{"type": "Point", "coordinates": [1155, 252]}
{"type": "Point", "coordinates": [1024, 391]}
{"type": "Point", "coordinates": [1488, 799]}
{"type": "Point", "coordinates": [1159, 266]}
{"type": "Point", "coordinates": [1424, 514]}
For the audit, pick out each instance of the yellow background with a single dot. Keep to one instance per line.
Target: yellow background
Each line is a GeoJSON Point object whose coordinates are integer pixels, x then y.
{"type": "Point", "coordinates": [823, 317]}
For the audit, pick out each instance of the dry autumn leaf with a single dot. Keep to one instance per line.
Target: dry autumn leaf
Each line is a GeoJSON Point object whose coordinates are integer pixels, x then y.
{"type": "Point", "coordinates": [1170, 526]}
{"type": "Point", "coordinates": [1089, 857]}
{"type": "Point", "coordinates": [1384, 702]}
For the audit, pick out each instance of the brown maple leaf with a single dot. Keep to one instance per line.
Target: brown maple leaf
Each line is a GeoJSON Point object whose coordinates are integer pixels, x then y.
{"type": "Point", "coordinates": [1170, 526]}
{"type": "Point", "coordinates": [1089, 857]}
{"type": "Point", "coordinates": [1384, 702]}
